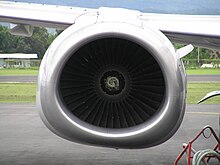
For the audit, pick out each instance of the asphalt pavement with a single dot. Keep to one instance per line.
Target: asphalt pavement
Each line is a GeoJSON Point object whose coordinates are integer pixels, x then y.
{"type": "Point", "coordinates": [201, 78]}
{"type": "Point", "coordinates": [22, 79]}
{"type": "Point", "coordinates": [25, 140]}
{"type": "Point", "coordinates": [191, 78]}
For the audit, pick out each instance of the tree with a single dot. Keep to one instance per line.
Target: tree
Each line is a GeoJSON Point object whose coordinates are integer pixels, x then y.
{"type": "Point", "coordinates": [37, 43]}
{"type": "Point", "coordinates": [203, 53]}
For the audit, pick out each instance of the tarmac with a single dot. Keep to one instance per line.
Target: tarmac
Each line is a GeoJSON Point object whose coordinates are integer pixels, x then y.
{"type": "Point", "coordinates": [20, 79]}
{"type": "Point", "coordinates": [203, 78]}
{"type": "Point", "coordinates": [25, 140]}
{"type": "Point", "coordinates": [29, 79]}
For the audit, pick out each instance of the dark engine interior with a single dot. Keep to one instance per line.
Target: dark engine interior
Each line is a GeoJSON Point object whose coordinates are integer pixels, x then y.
{"type": "Point", "coordinates": [112, 83]}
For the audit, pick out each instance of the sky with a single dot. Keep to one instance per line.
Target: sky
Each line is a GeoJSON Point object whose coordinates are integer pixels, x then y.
{"type": "Point", "coordinates": [204, 7]}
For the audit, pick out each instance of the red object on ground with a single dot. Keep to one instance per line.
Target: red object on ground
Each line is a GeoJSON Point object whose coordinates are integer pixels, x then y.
{"type": "Point", "coordinates": [188, 149]}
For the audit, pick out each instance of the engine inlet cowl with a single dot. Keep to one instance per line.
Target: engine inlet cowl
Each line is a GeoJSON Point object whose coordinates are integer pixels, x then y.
{"type": "Point", "coordinates": [112, 84]}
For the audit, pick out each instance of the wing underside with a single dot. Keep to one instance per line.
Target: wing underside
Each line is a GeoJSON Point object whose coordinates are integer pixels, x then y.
{"type": "Point", "coordinates": [200, 30]}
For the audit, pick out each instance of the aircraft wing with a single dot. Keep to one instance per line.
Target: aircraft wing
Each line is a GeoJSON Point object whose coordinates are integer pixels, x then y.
{"type": "Point", "coordinates": [200, 30]}
{"type": "Point", "coordinates": [40, 15]}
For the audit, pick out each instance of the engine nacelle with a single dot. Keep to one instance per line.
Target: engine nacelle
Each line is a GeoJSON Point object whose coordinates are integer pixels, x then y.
{"type": "Point", "coordinates": [112, 84]}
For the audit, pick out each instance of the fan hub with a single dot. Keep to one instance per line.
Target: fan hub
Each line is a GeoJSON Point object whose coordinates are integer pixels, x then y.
{"type": "Point", "coordinates": [112, 82]}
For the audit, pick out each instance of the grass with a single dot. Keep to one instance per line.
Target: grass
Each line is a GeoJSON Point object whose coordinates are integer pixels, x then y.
{"type": "Point", "coordinates": [19, 72]}
{"type": "Point", "coordinates": [203, 71]}
{"type": "Point", "coordinates": [196, 91]}
{"type": "Point", "coordinates": [17, 92]}
{"type": "Point", "coordinates": [26, 92]}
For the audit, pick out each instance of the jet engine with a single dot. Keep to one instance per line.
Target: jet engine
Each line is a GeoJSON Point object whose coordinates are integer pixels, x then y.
{"type": "Point", "coordinates": [112, 84]}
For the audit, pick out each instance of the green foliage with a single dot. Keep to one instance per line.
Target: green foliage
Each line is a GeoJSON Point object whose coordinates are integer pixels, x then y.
{"type": "Point", "coordinates": [197, 91]}
{"type": "Point", "coordinates": [197, 71]}
{"type": "Point", "coordinates": [193, 63]}
{"type": "Point", "coordinates": [203, 53]}
{"type": "Point", "coordinates": [21, 71]}
{"type": "Point", "coordinates": [37, 43]}
{"type": "Point", "coordinates": [17, 92]}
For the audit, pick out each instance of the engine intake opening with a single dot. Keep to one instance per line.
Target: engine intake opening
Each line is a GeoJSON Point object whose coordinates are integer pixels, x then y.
{"type": "Point", "coordinates": [112, 83]}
